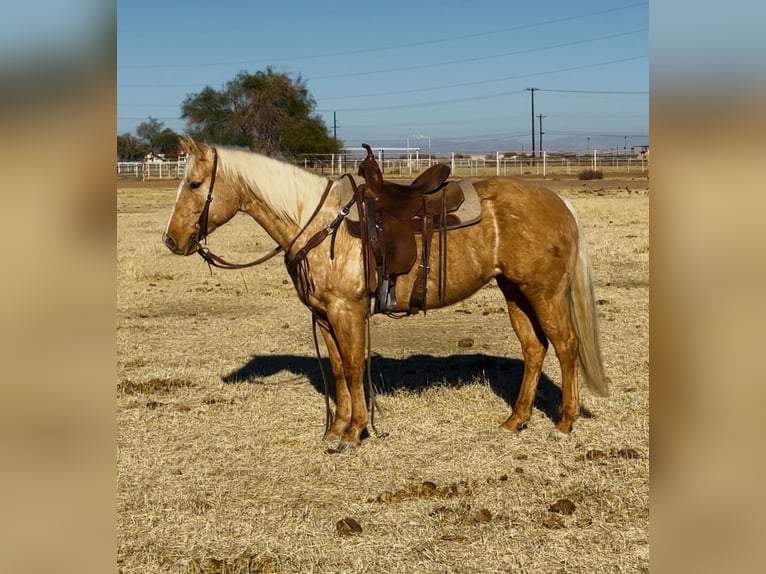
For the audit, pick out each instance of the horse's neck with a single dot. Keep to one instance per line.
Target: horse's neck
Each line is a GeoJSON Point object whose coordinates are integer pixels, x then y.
{"type": "Point", "coordinates": [281, 197]}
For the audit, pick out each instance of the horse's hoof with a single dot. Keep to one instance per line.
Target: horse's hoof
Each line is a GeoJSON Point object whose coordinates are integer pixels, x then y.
{"type": "Point", "coordinates": [346, 446]}
{"type": "Point", "coordinates": [514, 426]}
{"type": "Point", "coordinates": [557, 435]}
{"type": "Point", "coordinates": [341, 447]}
{"type": "Point", "coordinates": [331, 437]}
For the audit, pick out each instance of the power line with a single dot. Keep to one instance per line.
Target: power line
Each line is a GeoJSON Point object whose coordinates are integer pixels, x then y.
{"type": "Point", "coordinates": [466, 84]}
{"type": "Point", "coordinates": [594, 133]}
{"type": "Point", "coordinates": [424, 104]}
{"type": "Point", "coordinates": [475, 59]}
{"type": "Point", "coordinates": [392, 47]}
{"type": "Point", "coordinates": [610, 92]}
{"type": "Point", "coordinates": [423, 66]}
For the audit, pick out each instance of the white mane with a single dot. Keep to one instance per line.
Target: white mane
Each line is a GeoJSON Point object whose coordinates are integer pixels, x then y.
{"type": "Point", "coordinates": [287, 189]}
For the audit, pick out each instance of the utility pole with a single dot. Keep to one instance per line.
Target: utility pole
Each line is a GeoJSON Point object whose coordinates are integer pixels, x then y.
{"type": "Point", "coordinates": [540, 117]}
{"type": "Point", "coordinates": [334, 127]}
{"type": "Point", "coordinates": [532, 90]}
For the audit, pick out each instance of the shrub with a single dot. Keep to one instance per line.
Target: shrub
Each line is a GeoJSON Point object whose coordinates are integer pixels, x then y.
{"type": "Point", "coordinates": [590, 174]}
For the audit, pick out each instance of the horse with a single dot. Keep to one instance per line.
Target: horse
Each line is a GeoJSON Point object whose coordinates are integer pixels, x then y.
{"type": "Point", "coordinates": [529, 240]}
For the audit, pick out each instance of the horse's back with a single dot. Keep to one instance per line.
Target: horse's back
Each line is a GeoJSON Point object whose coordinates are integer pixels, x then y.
{"type": "Point", "coordinates": [534, 230]}
{"type": "Point", "coordinates": [528, 201]}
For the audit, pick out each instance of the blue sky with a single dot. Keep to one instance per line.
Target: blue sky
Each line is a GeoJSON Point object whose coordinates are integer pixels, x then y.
{"type": "Point", "coordinates": [454, 73]}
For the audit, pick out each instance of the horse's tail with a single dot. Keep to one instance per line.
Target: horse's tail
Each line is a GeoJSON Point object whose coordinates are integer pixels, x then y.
{"type": "Point", "coordinates": [582, 308]}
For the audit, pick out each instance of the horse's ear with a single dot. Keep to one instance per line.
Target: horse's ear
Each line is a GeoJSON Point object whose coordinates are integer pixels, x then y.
{"type": "Point", "coordinates": [192, 147]}
{"type": "Point", "coordinates": [186, 143]}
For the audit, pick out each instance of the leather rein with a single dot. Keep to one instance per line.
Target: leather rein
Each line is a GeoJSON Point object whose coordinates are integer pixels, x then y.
{"type": "Point", "coordinates": [214, 260]}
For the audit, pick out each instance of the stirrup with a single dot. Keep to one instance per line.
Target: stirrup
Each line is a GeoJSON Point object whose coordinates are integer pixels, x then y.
{"type": "Point", "coordinates": [386, 300]}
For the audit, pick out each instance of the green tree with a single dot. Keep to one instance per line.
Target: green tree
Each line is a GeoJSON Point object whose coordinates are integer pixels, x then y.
{"type": "Point", "coordinates": [130, 148]}
{"type": "Point", "coordinates": [208, 116]}
{"type": "Point", "coordinates": [149, 130]}
{"type": "Point", "coordinates": [268, 112]}
{"type": "Point", "coordinates": [167, 142]}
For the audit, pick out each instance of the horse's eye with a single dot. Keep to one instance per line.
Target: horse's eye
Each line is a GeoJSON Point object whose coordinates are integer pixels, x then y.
{"type": "Point", "coordinates": [194, 184]}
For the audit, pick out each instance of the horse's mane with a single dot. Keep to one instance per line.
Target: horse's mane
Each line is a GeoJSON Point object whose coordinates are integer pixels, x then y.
{"type": "Point", "coordinates": [288, 189]}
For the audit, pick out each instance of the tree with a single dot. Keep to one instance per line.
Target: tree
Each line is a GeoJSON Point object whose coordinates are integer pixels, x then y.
{"type": "Point", "coordinates": [149, 130]}
{"type": "Point", "coordinates": [167, 142]}
{"type": "Point", "coordinates": [129, 148]}
{"type": "Point", "coordinates": [208, 118]}
{"type": "Point", "coordinates": [151, 136]}
{"type": "Point", "coordinates": [309, 136]}
{"type": "Point", "coordinates": [268, 112]}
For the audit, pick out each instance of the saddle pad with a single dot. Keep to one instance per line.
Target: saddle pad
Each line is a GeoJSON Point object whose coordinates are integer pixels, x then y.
{"type": "Point", "coordinates": [467, 214]}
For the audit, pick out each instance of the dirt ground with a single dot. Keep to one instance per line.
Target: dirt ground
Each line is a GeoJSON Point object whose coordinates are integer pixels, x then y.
{"type": "Point", "coordinates": [220, 462]}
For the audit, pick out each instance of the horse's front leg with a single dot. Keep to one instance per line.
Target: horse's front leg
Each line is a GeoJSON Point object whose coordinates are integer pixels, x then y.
{"type": "Point", "coordinates": [342, 417]}
{"type": "Point", "coordinates": [347, 322]}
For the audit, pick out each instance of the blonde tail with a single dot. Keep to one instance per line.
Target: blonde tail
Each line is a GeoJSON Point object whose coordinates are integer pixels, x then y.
{"type": "Point", "coordinates": [583, 312]}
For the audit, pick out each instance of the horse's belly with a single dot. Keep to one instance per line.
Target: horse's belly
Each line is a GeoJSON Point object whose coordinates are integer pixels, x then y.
{"type": "Point", "coordinates": [464, 275]}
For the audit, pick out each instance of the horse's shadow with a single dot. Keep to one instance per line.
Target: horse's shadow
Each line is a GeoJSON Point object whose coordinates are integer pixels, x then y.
{"type": "Point", "coordinates": [415, 373]}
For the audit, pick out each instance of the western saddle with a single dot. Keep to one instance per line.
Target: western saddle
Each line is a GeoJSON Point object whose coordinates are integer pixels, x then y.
{"type": "Point", "coordinates": [389, 216]}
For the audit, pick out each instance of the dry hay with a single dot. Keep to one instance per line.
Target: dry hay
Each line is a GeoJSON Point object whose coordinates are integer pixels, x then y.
{"type": "Point", "coordinates": [221, 467]}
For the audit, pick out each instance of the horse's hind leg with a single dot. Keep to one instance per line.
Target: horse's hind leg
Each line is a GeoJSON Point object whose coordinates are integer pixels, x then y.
{"type": "Point", "coordinates": [557, 323]}
{"type": "Point", "coordinates": [565, 342]}
{"type": "Point", "coordinates": [534, 345]}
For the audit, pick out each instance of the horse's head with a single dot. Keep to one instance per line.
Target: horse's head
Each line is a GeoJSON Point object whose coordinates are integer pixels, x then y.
{"type": "Point", "coordinates": [201, 203]}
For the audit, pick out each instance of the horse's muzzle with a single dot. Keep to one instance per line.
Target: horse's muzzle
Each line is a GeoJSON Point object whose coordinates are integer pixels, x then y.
{"type": "Point", "coordinates": [190, 247]}
{"type": "Point", "coordinates": [170, 243]}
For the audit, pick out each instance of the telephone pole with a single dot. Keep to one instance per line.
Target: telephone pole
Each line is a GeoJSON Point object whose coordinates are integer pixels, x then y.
{"type": "Point", "coordinates": [540, 117]}
{"type": "Point", "coordinates": [334, 127]}
{"type": "Point", "coordinates": [532, 90]}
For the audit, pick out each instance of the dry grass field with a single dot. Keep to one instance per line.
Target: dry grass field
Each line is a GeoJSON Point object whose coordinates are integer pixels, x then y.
{"type": "Point", "coordinates": [220, 463]}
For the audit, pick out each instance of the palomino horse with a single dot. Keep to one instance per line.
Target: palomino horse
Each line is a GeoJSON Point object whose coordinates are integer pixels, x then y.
{"type": "Point", "coordinates": [529, 240]}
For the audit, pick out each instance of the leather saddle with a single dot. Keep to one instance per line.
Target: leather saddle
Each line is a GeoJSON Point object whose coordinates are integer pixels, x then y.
{"type": "Point", "coordinates": [388, 217]}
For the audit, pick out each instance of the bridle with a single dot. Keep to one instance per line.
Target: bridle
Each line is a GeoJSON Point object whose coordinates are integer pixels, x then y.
{"type": "Point", "coordinates": [202, 232]}
{"type": "Point", "coordinates": [216, 261]}
{"type": "Point", "coordinates": [202, 221]}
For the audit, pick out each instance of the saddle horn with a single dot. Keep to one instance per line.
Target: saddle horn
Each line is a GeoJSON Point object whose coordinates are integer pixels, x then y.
{"type": "Point", "coordinates": [371, 172]}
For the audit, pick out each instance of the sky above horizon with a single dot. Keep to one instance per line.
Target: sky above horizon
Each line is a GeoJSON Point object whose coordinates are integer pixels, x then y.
{"type": "Point", "coordinates": [450, 74]}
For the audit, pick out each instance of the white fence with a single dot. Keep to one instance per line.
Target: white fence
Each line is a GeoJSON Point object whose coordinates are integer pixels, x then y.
{"type": "Point", "coordinates": [410, 164]}
{"type": "Point", "coordinates": [479, 164]}
{"type": "Point", "coordinates": [151, 170]}
{"type": "Point", "coordinates": [548, 164]}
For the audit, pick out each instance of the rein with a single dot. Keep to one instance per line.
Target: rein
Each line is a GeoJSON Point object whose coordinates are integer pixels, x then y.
{"type": "Point", "coordinates": [217, 261]}
{"type": "Point", "coordinates": [211, 258]}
